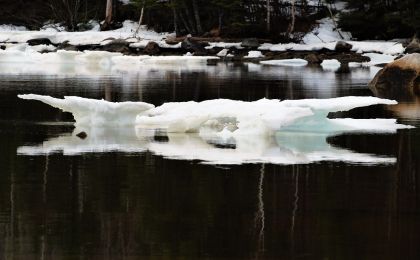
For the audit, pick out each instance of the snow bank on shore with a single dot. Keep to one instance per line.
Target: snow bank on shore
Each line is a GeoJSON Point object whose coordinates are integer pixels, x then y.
{"type": "Point", "coordinates": [385, 47]}
{"type": "Point", "coordinates": [10, 34]}
{"type": "Point", "coordinates": [29, 55]}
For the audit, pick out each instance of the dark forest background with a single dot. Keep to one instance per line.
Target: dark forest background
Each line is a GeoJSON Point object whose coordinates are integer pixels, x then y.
{"type": "Point", "coordinates": [270, 19]}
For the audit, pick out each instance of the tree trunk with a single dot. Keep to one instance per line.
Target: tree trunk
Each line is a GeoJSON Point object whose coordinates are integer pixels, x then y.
{"type": "Point", "coordinates": [175, 21]}
{"type": "Point", "coordinates": [190, 20]}
{"type": "Point", "coordinates": [268, 16]}
{"type": "Point", "coordinates": [220, 21]}
{"type": "Point", "coordinates": [197, 17]}
{"type": "Point", "coordinates": [140, 19]}
{"type": "Point", "coordinates": [108, 12]}
{"type": "Point", "coordinates": [292, 23]}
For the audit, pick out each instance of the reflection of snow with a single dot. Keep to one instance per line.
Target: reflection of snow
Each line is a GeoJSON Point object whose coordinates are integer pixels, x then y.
{"type": "Point", "coordinates": [283, 148]}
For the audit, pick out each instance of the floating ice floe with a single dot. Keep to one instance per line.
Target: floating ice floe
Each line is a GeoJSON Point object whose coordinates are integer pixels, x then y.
{"type": "Point", "coordinates": [262, 117]}
{"type": "Point", "coordinates": [254, 54]}
{"type": "Point", "coordinates": [269, 131]}
{"type": "Point", "coordinates": [286, 62]}
{"type": "Point", "coordinates": [332, 65]}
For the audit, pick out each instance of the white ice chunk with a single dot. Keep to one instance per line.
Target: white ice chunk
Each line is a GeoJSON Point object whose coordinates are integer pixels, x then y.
{"type": "Point", "coordinates": [92, 112]}
{"type": "Point", "coordinates": [214, 117]}
{"type": "Point", "coordinates": [286, 62]}
{"type": "Point", "coordinates": [254, 54]}
{"type": "Point", "coordinates": [332, 65]}
{"type": "Point", "coordinates": [223, 53]}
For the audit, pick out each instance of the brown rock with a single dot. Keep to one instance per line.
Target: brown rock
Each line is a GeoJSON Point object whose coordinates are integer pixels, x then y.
{"type": "Point", "coordinates": [152, 48]}
{"type": "Point", "coordinates": [313, 59]}
{"type": "Point", "coordinates": [82, 135]}
{"type": "Point", "coordinates": [398, 78]}
{"type": "Point", "coordinates": [342, 46]}
{"type": "Point", "coordinates": [413, 46]}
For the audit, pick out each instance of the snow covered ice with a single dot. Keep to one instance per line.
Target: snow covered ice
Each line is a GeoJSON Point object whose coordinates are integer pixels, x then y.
{"type": "Point", "coordinates": [193, 128]}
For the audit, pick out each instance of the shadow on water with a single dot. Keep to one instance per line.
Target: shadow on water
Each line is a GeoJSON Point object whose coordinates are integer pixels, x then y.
{"type": "Point", "coordinates": [120, 204]}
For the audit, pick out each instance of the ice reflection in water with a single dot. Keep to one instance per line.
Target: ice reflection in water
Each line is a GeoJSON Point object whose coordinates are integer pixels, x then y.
{"type": "Point", "coordinates": [283, 148]}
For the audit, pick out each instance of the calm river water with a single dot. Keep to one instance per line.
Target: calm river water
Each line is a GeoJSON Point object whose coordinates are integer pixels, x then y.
{"type": "Point", "coordinates": [65, 198]}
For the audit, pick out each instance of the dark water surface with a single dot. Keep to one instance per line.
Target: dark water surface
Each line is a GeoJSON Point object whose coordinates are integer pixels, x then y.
{"type": "Point", "coordinates": [116, 205]}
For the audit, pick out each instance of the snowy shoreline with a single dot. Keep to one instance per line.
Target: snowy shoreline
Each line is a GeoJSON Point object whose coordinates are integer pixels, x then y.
{"type": "Point", "coordinates": [120, 48]}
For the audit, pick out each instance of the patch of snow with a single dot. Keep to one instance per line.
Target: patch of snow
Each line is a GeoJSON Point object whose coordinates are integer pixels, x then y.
{"type": "Point", "coordinates": [325, 32]}
{"type": "Point", "coordinates": [53, 27]}
{"type": "Point", "coordinates": [162, 44]}
{"type": "Point", "coordinates": [254, 54]}
{"type": "Point", "coordinates": [223, 53]}
{"type": "Point", "coordinates": [385, 47]}
{"type": "Point", "coordinates": [225, 45]}
{"type": "Point", "coordinates": [377, 58]}
{"type": "Point", "coordinates": [286, 62]}
{"type": "Point", "coordinates": [86, 37]}
{"type": "Point", "coordinates": [11, 28]}
{"type": "Point", "coordinates": [125, 2]}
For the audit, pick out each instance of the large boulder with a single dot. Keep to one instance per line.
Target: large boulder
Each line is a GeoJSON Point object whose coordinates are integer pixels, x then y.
{"type": "Point", "coordinates": [342, 46]}
{"type": "Point", "coordinates": [191, 45]}
{"type": "Point", "coordinates": [413, 46]}
{"type": "Point", "coordinates": [251, 43]}
{"type": "Point", "coordinates": [152, 48]}
{"type": "Point", "coordinates": [398, 78]}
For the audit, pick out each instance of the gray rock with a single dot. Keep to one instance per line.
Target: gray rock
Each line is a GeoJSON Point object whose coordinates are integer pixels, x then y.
{"type": "Point", "coordinates": [342, 46]}
{"type": "Point", "coordinates": [251, 43]}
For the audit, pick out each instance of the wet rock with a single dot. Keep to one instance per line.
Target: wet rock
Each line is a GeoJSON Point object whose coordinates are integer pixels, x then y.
{"type": "Point", "coordinates": [39, 41]}
{"type": "Point", "coordinates": [82, 135]}
{"type": "Point", "coordinates": [117, 45]}
{"type": "Point", "coordinates": [66, 46]}
{"type": "Point", "coordinates": [344, 69]}
{"type": "Point", "coordinates": [398, 78]}
{"type": "Point", "coordinates": [251, 43]}
{"type": "Point", "coordinates": [313, 59]}
{"type": "Point", "coordinates": [342, 46]}
{"type": "Point", "coordinates": [152, 48]}
{"type": "Point", "coordinates": [191, 45]}
{"type": "Point", "coordinates": [413, 46]}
